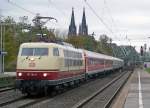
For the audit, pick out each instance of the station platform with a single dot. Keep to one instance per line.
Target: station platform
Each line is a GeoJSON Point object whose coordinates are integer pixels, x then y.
{"type": "Point", "coordinates": [138, 95]}
{"type": "Point", "coordinates": [136, 91]}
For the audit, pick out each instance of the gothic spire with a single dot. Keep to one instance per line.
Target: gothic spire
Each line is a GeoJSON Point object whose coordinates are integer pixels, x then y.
{"type": "Point", "coordinates": [83, 29]}
{"type": "Point", "coordinates": [72, 26]}
{"type": "Point", "coordinates": [84, 18]}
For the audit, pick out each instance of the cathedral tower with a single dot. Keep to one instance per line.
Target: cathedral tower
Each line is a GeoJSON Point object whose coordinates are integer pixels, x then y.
{"type": "Point", "coordinates": [72, 27]}
{"type": "Point", "coordinates": [83, 28]}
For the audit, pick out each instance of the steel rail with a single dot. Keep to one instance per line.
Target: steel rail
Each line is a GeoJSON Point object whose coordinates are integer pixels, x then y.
{"type": "Point", "coordinates": [11, 101]}
{"type": "Point", "coordinates": [88, 99]}
{"type": "Point", "coordinates": [107, 105]}
{"type": "Point", "coordinates": [6, 89]}
{"type": "Point", "coordinates": [34, 102]}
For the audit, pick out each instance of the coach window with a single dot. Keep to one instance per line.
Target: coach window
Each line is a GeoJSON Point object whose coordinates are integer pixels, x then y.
{"type": "Point", "coordinates": [68, 53]}
{"type": "Point", "coordinates": [66, 62]}
{"type": "Point", "coordinates": [64, 53]}
{"type": "Point", "coordinates": [80, 55]}
{"type": "Point", "coordinates": [55, 52]}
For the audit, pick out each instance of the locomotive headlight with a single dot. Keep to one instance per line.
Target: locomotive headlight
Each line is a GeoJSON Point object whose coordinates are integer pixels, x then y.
{"type": "Point", "coordinates": [19, 74]}
{"type": "Point", "coordinates": [32, 59]}
{"type": "Point", "coordinates": [44, 74]}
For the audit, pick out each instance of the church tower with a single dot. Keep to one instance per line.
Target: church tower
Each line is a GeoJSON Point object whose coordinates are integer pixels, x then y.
{"type": "Point", "coordinates": [72, 27]}
{"type": "Point", "coordinates": [83, 28]}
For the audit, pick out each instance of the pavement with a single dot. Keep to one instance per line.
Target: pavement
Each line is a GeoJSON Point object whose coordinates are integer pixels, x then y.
{"type": "Point", "coordinates": [139, 90]}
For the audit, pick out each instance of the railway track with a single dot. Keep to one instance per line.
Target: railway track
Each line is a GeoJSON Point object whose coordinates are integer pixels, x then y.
{"type": "Point", "coordinates": [33, 102]}
{"type": "Point", "coordinates": [104, 96]}
{"type": "Point", "coordinates": [75, 98]}
{"type": "Point", "coordinates": [22, 102]}
{"type": "Point", "coordinates": [9, 97]}
{"type": "Point", "coordinates": [3, 89]}
{"type": "Point", "coordinates": [12, 99]}
{"type": "Point", "coordinates": [7, 103]}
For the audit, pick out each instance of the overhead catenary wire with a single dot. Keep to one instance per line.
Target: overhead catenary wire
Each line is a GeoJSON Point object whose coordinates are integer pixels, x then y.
{"type": "Point", "coordinates": [52, 4]}
{"type": "Point", "coordinates": [18, 6]}
{"type": "Point", "coordinates": [59, 10]}
{"type": "Point", "coordinates": [100, 19]}
{"type": "Point", "coordinates": [98, 16]}
{"type": "Point", "coordinates": [110, 15]}
{"type": "Point", "coordinates": [113, 21]}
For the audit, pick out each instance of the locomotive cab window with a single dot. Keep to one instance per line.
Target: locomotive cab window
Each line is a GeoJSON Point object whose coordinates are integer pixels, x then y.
{"type": "Point", "coordinates": [41, 52]}
{"type": "Point", "coordinates": [27, 52]}
{"type": "Point", "coordinates": [55, 52]}
{"type": "Point", "coordinates": [34, 52]}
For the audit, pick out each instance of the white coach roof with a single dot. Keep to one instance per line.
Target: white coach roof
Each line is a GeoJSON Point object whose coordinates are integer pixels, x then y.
{"type": "Point", "coordinates": [98, 55]}
{"type": "Point", "coordinates": [44, 44]}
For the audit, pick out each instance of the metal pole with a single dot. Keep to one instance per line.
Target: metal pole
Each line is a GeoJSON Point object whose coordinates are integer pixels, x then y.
{"type": "Point", "coordinates": [3, 62]}
{"type": "Point", "coordinates": [1, 66]}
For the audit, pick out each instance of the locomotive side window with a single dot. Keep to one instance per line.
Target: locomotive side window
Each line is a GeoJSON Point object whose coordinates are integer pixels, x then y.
{"type": "Point", "coordinates": [27, 52]}
{"type": "Point", "coordinates": [55, 52]}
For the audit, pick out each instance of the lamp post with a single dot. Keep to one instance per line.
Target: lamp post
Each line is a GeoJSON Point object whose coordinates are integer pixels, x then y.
{"type": "Point", "coordinates": [1, 49]}
{"type": "Point", "coordinates": [2, 46]}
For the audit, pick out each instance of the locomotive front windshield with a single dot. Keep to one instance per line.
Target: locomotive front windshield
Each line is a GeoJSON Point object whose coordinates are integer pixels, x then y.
{"type": "Point", "coordinates": [34, 52]}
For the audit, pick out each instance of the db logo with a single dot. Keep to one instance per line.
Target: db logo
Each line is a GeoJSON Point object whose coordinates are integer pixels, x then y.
{"type": "Point", "coordinates": [32, 64]}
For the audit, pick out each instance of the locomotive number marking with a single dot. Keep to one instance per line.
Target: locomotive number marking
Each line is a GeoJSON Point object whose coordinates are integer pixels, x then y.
{"type": "Point", "coordinates": [31, 64]}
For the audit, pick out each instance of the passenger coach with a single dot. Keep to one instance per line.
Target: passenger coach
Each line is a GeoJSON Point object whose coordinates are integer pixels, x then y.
{"type": "Point", "coordinates": [97, 63]}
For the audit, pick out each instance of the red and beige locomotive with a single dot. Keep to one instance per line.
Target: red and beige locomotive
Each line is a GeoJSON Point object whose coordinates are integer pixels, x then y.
{"type": "Point", "coordinates": [42, 66]}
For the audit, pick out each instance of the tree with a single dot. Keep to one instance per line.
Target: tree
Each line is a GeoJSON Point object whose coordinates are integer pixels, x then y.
{"type": "Point", "coordinates": [105, 44]}
{"type": "Point", "coordinates": [11, 47]}
{"type": "Point", "coordinates": [84, 42]}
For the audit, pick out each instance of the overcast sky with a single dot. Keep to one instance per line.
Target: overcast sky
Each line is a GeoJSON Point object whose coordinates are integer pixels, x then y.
{"type": "Point", "coordinates": [129, 18]}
